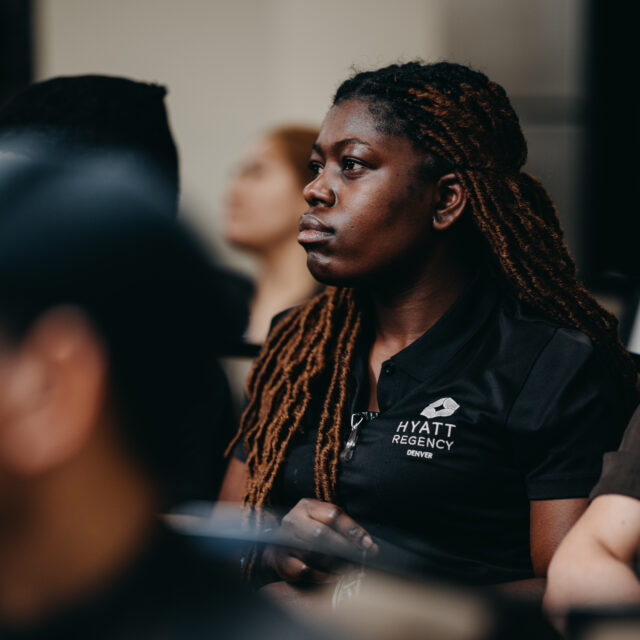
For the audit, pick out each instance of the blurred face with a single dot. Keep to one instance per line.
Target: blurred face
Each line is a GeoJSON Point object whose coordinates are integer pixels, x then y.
{"type": "Point", "coordinates": [5, 372]}
{"type": "Point", "coordinates": [11, 380]}
{"type": "Point", "coordinates": [265, 200]}
{"type": "Point", "coordinates": [52, 390]}
{"type": "Point", "coordinates": [369, 212]}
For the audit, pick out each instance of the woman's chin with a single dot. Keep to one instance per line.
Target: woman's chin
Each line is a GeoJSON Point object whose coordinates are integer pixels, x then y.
{"type": "Point", "coordinates": [329, 272]}
{"type": "Point", "coordinates": [321, 268]}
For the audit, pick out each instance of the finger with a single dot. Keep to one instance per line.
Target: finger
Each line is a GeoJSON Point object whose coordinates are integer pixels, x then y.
{"type": "Point", "coordinates": [316, 536]}
{"type": "Point", "coordinates": [293, 569]}
{"type": "Point", "coordinates": [317, 560]}
{"type": "Point", "coordinates": [332, 516]}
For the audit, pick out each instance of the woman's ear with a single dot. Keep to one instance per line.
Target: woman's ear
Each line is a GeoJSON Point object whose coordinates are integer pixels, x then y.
{"type": "Point", "coordinates": [451, 200]}
{"type": "Point", "coordinates": [53, 393]}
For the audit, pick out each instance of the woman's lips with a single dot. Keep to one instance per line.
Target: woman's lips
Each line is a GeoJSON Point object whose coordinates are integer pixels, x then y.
{"type": "Point", "coordinates": [312, 230]}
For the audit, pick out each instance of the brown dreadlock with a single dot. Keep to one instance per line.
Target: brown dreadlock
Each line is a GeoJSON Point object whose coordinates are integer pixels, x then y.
{"type": "Point", "coordinates": [462, 122]}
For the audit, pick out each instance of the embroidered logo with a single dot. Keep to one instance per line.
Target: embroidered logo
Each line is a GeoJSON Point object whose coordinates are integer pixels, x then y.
{"type": "Point", "coordinates": [423, 438]}
{"type": "Point", "coordinates": [440, 408]}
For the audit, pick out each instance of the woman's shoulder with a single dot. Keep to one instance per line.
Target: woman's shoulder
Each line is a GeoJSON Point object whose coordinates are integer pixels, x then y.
{"type": "Point", "coordinates": [291, 311]}
{"type": "Point", "coordinates": [280, 316]}
{"type": "Point", "coordinates": [566, 370]}
{"type": "Point", "coordinates": [558, 364]}
{"type": "Point", "coordinates": [525, 321]}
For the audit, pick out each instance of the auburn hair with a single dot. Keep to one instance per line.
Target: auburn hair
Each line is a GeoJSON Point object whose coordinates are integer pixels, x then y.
{"type": "Point", "coordinates": [295, 142]}
{"type": "Point", "coordinates": [462, 122]}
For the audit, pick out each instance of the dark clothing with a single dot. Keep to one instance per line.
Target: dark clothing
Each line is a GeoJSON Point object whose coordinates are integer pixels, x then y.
{"type": "Point", "coordinates": [200, 456]}
{"type": "Point", "coordinates": [175, 591]}
{"type": "Point", "coordinates": [491, 408]}
{"type": "Point", "coordinates": [621, 468]}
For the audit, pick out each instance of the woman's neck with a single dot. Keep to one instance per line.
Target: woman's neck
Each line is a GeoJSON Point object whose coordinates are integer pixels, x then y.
{"type": "Point", "coordinates": [283, 281]}
{"type": "Point", "coordinates": [403, 313]}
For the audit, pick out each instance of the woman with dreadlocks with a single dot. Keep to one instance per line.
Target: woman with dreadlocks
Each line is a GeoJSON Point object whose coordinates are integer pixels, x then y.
{"type": "Point", "coordinates": [452, 390]}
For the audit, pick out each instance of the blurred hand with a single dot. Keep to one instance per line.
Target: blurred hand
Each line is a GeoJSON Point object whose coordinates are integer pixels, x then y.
{"type": "Point", "coordinates": [321, 525]}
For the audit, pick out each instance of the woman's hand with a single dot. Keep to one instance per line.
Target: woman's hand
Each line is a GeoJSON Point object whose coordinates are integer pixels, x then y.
{"type": "Point", "coordinates": [321, 525]}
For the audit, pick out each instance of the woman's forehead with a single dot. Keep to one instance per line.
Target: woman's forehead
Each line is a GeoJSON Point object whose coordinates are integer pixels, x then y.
{"type": "Point", "coordinates": [349, 119]}
{"type": "Point", "coordinates": [354, 122]}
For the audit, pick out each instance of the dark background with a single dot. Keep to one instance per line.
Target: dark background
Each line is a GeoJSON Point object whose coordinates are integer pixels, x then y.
{"type": "Point", "coordinates": [16, 60]}
{"type": "Point", "coordinates": [613, 138]}
{"type": "Point", "coordinates": [611, 167]}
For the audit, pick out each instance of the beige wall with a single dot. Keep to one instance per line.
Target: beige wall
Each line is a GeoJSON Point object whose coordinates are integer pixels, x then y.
{"type": "Point", "coordinates": [232, 68]}
{"type": "Point", "coordinates": [235, 67]}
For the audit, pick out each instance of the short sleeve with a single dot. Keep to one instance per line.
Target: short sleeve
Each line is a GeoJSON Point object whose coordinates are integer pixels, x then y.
{"type": "Point", "coordinates": [239, 452]}
{"type": "Point", "coordinates": [621, 469]}
{"type": "Point", "coordinates": [567, 415]}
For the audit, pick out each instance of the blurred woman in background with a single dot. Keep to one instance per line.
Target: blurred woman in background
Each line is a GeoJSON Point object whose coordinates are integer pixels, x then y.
{"type": "Point", "coordinates": [264, 204]}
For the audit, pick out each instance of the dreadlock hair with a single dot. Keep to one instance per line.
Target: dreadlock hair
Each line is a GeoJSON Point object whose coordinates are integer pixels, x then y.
{"type": "Point", "coordinates": [462, 122]}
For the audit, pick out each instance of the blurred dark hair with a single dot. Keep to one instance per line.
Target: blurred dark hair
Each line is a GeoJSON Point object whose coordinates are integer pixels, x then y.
{"type": "Point", "coordinates": [96, 237]}
{"type": "Point", "coordinates": [295, 142]}
{"type": "Point", "coordinates": [90, 114]}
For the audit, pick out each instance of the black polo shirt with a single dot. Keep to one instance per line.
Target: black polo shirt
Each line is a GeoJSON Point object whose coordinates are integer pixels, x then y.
{"type": "Point", "coordinates": [491, 408]}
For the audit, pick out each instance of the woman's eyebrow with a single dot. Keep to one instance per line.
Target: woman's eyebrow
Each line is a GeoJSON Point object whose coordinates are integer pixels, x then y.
{"type": "Point", "coordinates": [348, 141]}
{"type": "Point", "coordinates": [342, 143]}
{"type": "Point", "coordinates": [337, 146]}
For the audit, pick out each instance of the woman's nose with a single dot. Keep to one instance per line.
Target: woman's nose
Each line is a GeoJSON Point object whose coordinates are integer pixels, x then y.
{"type": "Point", "coordinates": [319, 192]}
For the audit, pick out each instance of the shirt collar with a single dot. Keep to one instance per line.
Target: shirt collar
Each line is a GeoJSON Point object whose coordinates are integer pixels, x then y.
{"type": "Point", "coordinates": [461, 322]}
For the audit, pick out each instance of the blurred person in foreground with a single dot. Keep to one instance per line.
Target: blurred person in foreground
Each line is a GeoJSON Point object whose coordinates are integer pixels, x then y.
{"type": "Point", "coordinates": [597, 563]}
{"type": "Point", "coordinates": [110, 320]}
{"type": "Point", "coordinates": [84, 116]}
{"type": "Point", "coordinates": [263, 208]}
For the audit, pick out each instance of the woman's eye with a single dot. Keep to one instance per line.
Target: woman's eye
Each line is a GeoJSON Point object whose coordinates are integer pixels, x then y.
{"type": "Point", "coordinates": [349, 164]}
{"type": "Point", "coordinates": [315, 167]}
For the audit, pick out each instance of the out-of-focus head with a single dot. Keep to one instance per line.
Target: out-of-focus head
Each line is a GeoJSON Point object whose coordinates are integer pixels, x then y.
{"type": "Point", "coordinates": [265, 197]}
{"type": "Point", "coordinates": [88, 115]}
{"type": "Point", "coordinates": [110, 314]}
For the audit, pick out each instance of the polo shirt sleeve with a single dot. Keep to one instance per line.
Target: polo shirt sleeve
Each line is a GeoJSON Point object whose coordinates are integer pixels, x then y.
{"type": "Point", "coordinates": [621, 468]}
{"type": "Point", "coordinates": [239, 452]}
{"type": "Point", "coordinates": [567, 414]}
